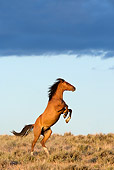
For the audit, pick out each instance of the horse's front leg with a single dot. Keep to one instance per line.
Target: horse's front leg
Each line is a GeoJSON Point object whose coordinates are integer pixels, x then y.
{"type": "Point", "coordinates": [65, 111]}
{"type": "Point", "coordinates": [70, 113]}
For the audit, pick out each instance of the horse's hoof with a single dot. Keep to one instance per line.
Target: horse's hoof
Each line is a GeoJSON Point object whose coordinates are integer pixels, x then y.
{"type": "Point", "coordinates": [64, 116]}
{"type": "Point", "coordinates": [46, 150]}
{"type": "Point", "coordinates": [67, 120]}
{"type": "Point", "coordinates": [31, 153]}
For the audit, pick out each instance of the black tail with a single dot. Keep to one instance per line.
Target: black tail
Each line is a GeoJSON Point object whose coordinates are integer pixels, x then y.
{"type": "Point", "coordinates": [25, 131]}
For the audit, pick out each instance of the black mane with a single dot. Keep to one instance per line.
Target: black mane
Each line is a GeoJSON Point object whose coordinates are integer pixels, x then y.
{"type": "Point", "coordinates": [53, 88]}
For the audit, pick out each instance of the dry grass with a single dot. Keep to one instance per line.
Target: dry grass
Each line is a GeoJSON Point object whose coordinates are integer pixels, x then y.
{"type": "Point", "coordinates": [68, 152]}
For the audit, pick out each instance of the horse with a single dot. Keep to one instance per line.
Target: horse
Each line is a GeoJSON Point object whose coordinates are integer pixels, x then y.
{"type": "Point", "coordinates": [55, 107]}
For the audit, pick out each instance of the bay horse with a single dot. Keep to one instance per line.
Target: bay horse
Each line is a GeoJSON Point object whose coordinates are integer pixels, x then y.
{"type": "Point", "coordinates": [55, 107]}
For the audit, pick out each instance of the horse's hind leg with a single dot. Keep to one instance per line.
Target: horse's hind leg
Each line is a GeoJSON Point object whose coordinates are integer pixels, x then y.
{"type": "Point", "coordinates": [47, 134]}
{"type": "Point", "coordinates": [37, 133]}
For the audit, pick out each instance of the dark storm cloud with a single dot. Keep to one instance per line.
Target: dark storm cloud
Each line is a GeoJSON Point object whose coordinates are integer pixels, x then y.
{"type": "Point", "coordinates": [31, 27]}
{"type": "Point", "coordinates": [109, 54]}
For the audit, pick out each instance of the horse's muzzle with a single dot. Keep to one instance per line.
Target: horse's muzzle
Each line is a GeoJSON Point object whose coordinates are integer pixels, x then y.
{"type": "Point", "coordinates": [74, 88]}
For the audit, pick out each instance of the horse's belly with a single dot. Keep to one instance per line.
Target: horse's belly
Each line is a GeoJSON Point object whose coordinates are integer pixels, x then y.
{"type": "Point", "coordinates": [50, 120]}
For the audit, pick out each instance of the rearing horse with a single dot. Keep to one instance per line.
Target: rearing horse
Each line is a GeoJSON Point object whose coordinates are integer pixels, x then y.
{"type": "Point", "coordinates": [55, 107]}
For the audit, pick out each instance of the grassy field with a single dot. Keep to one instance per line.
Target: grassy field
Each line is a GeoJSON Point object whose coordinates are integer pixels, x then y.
{"type": "Point", "coordinates": [68, 152]}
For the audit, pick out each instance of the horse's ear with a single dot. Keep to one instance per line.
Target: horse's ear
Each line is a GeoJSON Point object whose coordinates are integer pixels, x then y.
{"type": "Point", "coordinates": [61, 80]}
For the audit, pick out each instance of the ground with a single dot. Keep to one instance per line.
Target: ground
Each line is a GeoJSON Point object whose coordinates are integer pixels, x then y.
{"type": "Point", "coordinates": [67, 152]}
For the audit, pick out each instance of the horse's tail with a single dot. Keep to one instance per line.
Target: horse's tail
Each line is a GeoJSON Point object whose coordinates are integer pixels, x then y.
{"type": "Point", "coordinates": [25, 131]}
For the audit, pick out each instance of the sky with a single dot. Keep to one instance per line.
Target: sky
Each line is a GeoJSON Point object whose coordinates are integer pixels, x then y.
{"type": "Point", "coordinates": [41, 41]}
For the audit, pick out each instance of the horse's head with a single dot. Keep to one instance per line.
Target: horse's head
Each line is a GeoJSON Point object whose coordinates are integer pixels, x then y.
{"type": "Point", "coordinates": [66, 86]}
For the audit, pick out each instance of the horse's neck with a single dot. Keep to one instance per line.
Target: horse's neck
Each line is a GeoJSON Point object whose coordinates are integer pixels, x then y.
{"type": "Point", "coordinates": [59, 94]}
